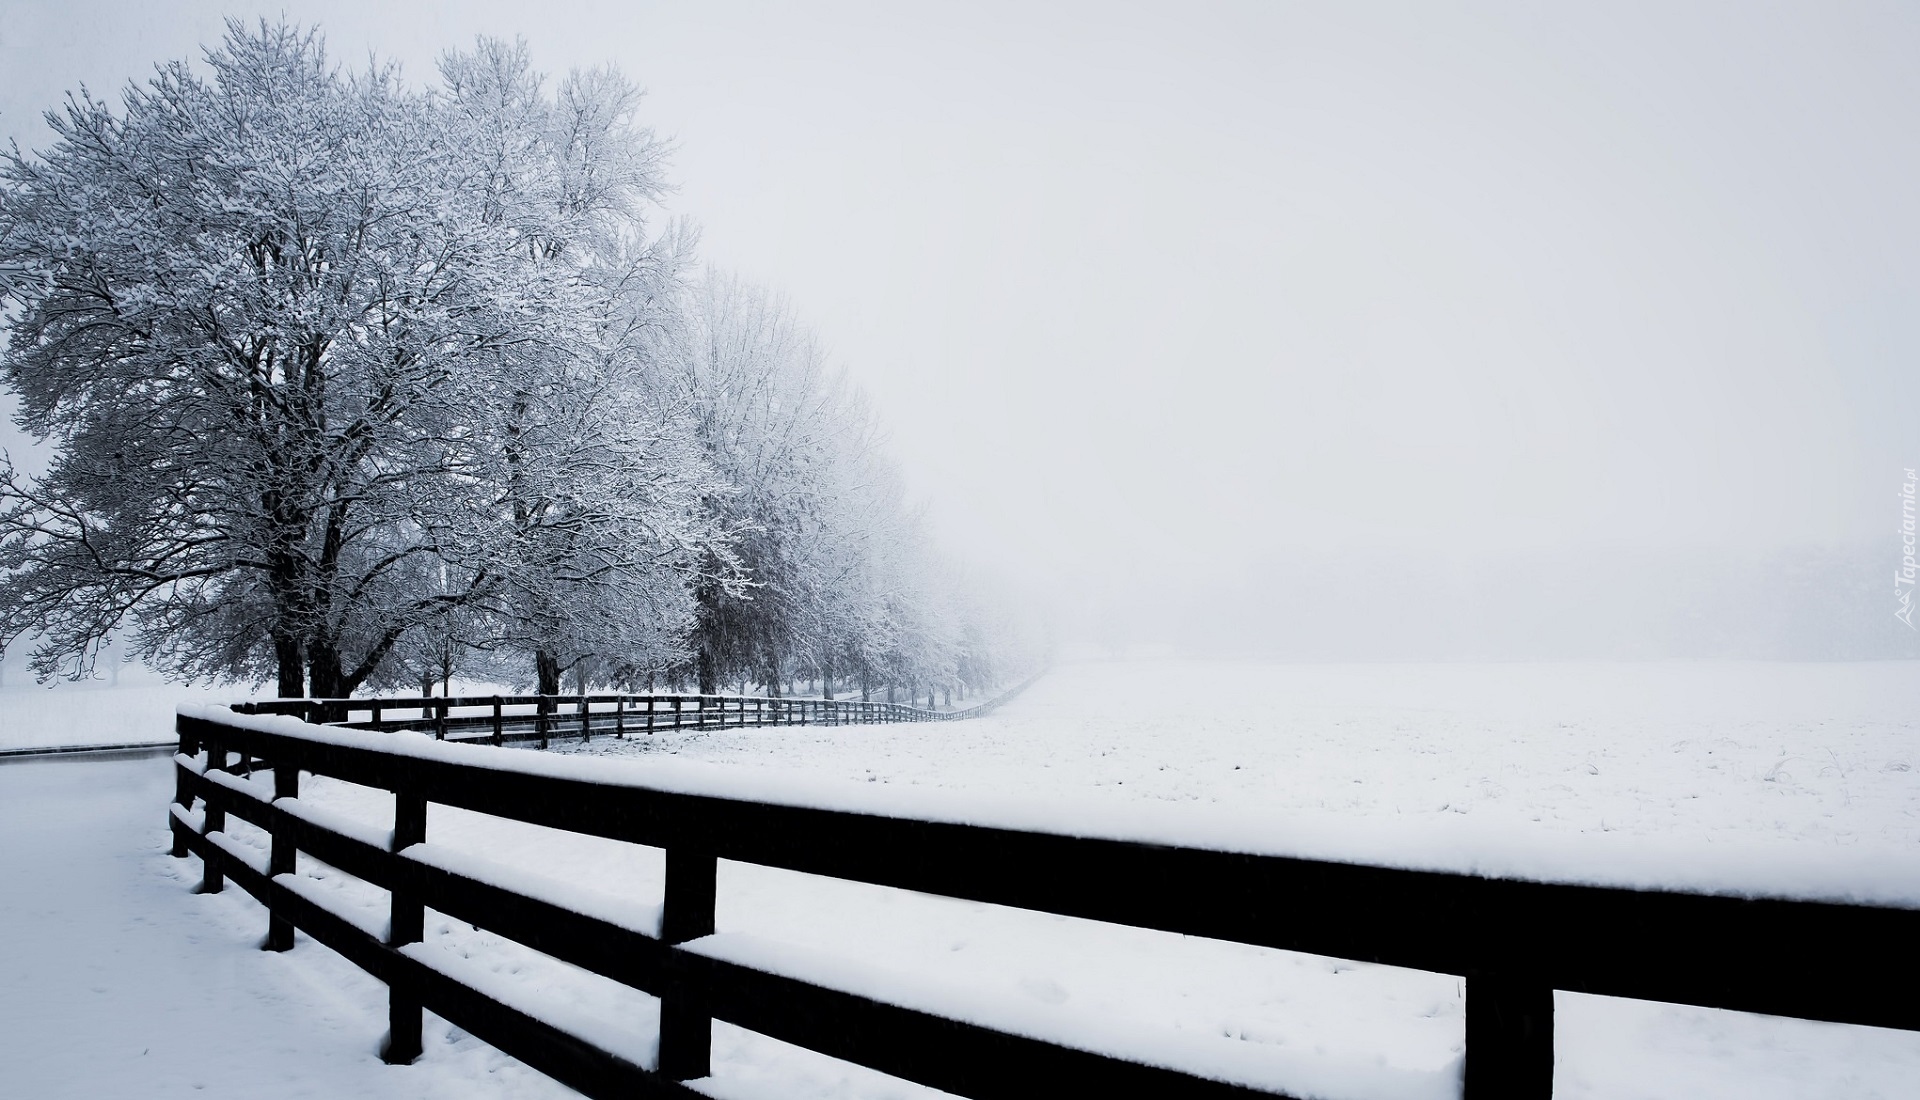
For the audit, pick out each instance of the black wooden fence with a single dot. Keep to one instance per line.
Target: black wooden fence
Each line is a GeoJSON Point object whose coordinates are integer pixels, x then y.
{"type": "Point", "coordinates": [500, 719]}
{"type": "Point", "coordinates": [1514, 942]}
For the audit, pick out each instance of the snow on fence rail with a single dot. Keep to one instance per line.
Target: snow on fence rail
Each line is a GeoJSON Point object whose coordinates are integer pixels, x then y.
{"type": "Point", "coordinates": [1514, 942]}
{"type": "Point", "coordinates": [503, 718]}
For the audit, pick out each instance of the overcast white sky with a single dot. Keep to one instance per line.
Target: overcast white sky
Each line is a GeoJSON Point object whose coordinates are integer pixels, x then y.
{"type": "Point", "coordinates": [1150, 290]}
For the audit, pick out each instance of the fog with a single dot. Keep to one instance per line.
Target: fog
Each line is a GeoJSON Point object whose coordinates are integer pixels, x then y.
{"type": "Point", "coordinates": [1328, 331]}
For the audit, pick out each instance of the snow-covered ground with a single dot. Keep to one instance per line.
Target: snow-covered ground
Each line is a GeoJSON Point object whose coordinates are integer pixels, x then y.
{"type": "Point", "coordinates": [1759, 777]}
{"type": "Point", "coordinates": [1799, 778]}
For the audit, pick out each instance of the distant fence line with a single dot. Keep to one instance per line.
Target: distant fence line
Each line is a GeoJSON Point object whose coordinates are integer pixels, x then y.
{"type": "Point", "coordinates": [502, 719]}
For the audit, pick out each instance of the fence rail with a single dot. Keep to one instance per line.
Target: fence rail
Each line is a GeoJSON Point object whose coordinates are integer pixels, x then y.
{"type": "Point", "coordinates": [1514, 942]}
{"type": "Point", "coordinates": [501, 719]}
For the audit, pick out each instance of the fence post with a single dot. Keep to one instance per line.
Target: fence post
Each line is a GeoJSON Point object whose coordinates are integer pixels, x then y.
{"type": "Point", "coordinates": [182, 792]}
{"type": "Point", "coordinates": [1509, 1039]}
{"type": "Point", "coordinates": [497, 720]}
{"type": "Point", "coordinates": [281, 859]}
{"type": "Point", "coordinates": [686, 913]}
{"type": "Point", "coordinates": [586, 719]}
{"type": "Point", "coordinates": [211, 879]}
{"type": "Point", "coordinates": [440, 720]}
{"type": "Point", "coordinates": [620, 718]}
{"type": "Point", "coordinates": [406, 925]}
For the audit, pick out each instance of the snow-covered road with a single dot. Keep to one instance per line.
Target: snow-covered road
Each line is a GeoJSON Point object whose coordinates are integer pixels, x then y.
{"type": "Point", "coordinates": [117, 981]}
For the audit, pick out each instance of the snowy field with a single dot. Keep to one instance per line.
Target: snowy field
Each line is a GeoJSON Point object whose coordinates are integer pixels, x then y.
{"type": "Point", "coordinates": [1769, 778]}
{"type": "Point", "coordinates": [1762, 776]}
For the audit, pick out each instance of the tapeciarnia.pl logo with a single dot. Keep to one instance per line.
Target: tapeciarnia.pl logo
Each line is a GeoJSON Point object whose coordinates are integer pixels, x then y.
{"type": "Point", "coordinates": [1903, 577]}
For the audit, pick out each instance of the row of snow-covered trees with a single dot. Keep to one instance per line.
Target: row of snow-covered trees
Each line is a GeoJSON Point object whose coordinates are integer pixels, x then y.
{"type": "Point", "coordinates": [351, 385]}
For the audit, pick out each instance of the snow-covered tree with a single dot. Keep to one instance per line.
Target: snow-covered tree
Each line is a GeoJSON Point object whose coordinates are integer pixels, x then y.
{"type": "Point", "coordinates": [349, 383]}
{"type": "Point", "coordinates": [779, 430]}
{"type": "Point", "coordinates": [845, 587]}
{"type": "Point", "coordinates": [268, 320]}
{"type": "Point", "coordinates": [598, 532]}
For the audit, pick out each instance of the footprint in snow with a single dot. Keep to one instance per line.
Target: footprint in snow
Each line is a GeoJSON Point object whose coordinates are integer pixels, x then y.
{"type": "Point", "coordinates": [1043, 990]}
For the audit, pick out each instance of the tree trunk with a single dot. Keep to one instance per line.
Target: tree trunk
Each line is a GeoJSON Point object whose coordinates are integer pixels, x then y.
{"type": "Point", "coordinates": [324, 680]}
{"type": "Point", "coordinates": [705, 668]}
{"type": "Point", "coordinates": [323, 672]}
{"type": "Point", "coordinates": [293, 674]}
{"type": "Point", "coordinates": [547, 668]}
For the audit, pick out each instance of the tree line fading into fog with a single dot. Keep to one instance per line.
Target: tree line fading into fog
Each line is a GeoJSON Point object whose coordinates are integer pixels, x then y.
{"type": "Point", "coordinates": [352, 385]}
